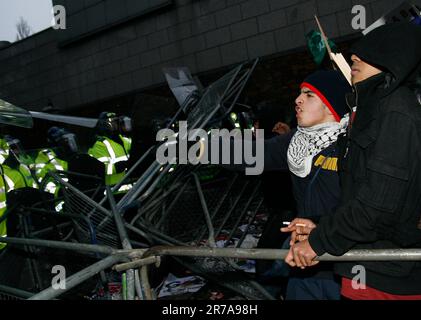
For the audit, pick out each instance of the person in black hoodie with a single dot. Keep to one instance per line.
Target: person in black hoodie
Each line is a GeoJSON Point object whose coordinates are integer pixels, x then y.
{"type": "Point", "coordinates": [380, 171]}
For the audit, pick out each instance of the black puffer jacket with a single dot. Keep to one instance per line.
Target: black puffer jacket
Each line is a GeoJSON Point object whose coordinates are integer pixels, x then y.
{"type": "Point", "coordinates": [380, 170]}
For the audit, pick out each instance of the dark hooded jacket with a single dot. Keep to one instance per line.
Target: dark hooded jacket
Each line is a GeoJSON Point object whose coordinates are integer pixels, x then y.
{"type": "Point", "coordinates": [380, 170]}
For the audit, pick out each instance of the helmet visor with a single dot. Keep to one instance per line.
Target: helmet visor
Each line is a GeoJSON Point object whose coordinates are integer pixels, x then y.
{"type": "Point", "coordinates": [69, 143]}
{"type": "Point", "coordinates": [126, 124]}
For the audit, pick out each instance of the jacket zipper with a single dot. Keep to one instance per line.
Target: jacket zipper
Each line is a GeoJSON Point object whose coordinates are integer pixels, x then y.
{"type": "Point", "coordinates": [348, 139]}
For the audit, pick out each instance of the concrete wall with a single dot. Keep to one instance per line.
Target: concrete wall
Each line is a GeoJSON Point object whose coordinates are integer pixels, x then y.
{"type": "Point", "coordinates": [201, 34]}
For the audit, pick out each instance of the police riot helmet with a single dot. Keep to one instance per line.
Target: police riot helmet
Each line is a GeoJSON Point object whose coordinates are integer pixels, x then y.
{"type": "Point", "coordinates": [111, 124]}
{"type": "Point", "coordinates": [108, 123]}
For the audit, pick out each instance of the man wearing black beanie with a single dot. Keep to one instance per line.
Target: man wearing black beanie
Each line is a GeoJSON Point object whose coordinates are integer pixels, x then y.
{"type": "Point", "coordinates": [309, 153]}
{"type": "Point", "coordinates": [380, 171]}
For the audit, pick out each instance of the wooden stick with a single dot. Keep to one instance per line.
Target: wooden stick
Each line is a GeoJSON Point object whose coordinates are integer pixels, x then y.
{"type": "Point", "coordinates": [326, 42]}
{"type": "Point", "coordinates": [337, 59]}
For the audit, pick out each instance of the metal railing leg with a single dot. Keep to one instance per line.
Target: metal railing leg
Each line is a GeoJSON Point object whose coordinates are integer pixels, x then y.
{"type": "Point", "coordinates": [124, 241]}
{"type": "Point", "coordinates": [146, 284]}
{"type": "Point", "coordinates": [138, 285]}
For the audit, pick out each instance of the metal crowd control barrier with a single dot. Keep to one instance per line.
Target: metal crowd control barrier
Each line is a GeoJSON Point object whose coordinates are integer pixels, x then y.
{"type": "Point", "coordinates": [144, 257]}
{"type": "Point", "coordinates": [152, 194]}
{"type": "Point", "coordinates": [93, 223]}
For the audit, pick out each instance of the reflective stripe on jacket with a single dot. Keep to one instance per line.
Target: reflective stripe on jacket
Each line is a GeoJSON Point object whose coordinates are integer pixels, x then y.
{"type": "Point", "coordinates": [45, 162]}
{"type": "Point", "coordinates": [110, 152]}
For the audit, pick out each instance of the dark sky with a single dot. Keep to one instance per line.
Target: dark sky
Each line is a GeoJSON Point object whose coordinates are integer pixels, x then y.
{"type": "Point", "coordinates": [38, 14]}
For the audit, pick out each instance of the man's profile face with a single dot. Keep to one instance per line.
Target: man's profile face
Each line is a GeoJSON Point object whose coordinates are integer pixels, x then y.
{"type": "Point", "coordinates": [310, 110]}
{"type": "Point", "coordinates": [361, 70]}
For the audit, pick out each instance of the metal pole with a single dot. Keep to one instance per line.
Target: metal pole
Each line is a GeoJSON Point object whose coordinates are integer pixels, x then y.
{"type": "Point", "coordinates": [275, 254]}
{"type": "Point", "coordinates": [136, 264]}
{"type": "Point", "coordinates": [60, 245]}
{"type": "Point", "coordinates": [132, 254]}
{"type": "Point", "coordinates": [16, 292]}
{"type": "Point", "coordinates": [124, 241]}
{"type": "Point", "coordinates": [145, 282]}
{"type": "Point", "coordinates": [77, 278]}
{"type": "Point", "coordinates": [139, 290]}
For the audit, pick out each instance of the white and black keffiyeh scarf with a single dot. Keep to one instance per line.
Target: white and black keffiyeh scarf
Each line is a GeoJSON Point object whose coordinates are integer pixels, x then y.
{"type": "Point", "coordinates": [308, 142]}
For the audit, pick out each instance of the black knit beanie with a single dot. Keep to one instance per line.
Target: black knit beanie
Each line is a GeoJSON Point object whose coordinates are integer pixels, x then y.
{"type": "Point", "coordinates": [331, 87]}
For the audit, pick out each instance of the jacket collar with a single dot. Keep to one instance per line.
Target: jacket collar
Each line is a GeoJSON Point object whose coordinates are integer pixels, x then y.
{"type": "Point", "coordinates": [366, 98]}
